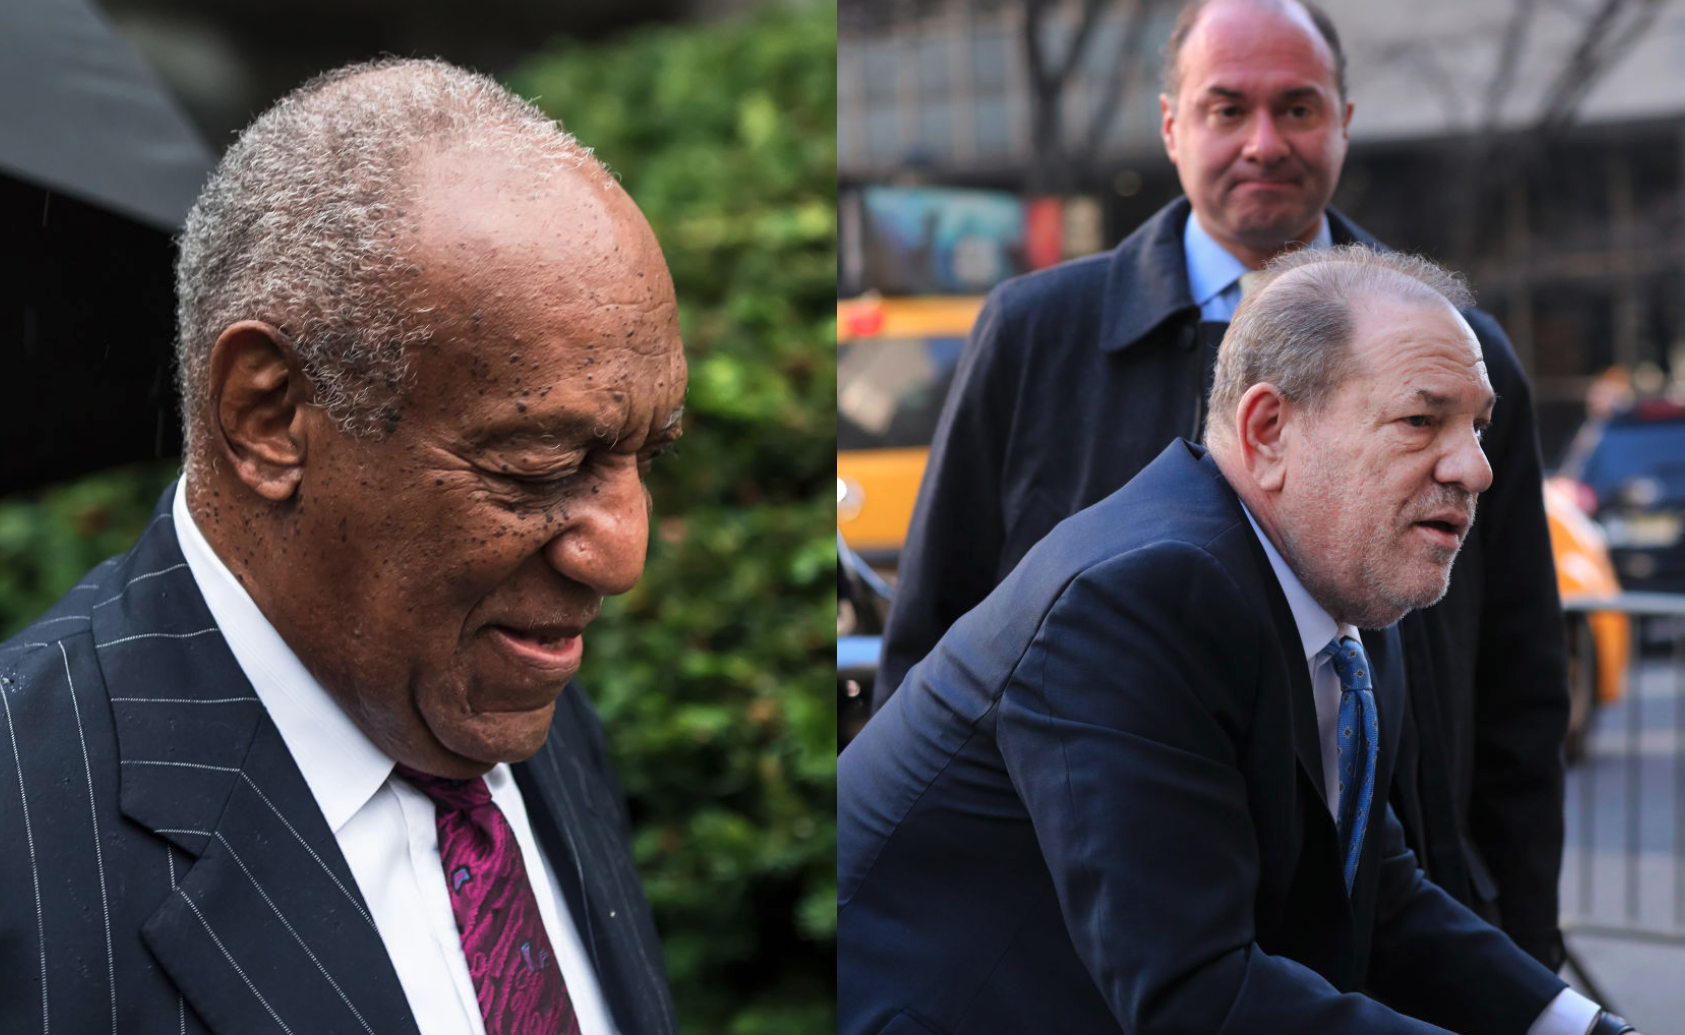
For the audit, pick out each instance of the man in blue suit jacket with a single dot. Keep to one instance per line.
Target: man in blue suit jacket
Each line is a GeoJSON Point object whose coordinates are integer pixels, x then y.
{"type": "Point", "coordinates": [428, 348]}
{"type": "Point", "coordinates": [1107, 801]}
{"type": "Point", "coordinates": [1120, 347]}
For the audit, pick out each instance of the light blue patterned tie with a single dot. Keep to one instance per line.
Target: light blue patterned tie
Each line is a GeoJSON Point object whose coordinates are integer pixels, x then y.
{"type": "Point", "coordinates": [1358, 739]}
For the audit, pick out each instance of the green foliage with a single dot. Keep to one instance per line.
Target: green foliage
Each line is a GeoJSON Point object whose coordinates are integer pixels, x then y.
{"type": "Point", "coordinates": [714, 674]}
{"type": "Point", "coordinates": [49, 539]}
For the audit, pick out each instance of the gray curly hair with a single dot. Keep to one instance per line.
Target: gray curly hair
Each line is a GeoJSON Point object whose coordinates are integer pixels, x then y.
{"type": "Point", "coordinates": [304, 223]}
{"type": "Point", "coordinates": [1294, 328]}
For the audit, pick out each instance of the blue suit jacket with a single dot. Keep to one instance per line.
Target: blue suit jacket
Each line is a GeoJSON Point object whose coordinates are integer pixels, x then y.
{"type": "Point", "coordinates": [1098, 805]}
{"type": "Point", "coordinates": [168, 868]}
{"type": "Point", "coordinates": [1076, 377]}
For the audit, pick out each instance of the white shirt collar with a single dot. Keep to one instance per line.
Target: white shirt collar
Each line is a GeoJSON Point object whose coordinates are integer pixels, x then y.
{"type": "Point", "coordinates": [1212, 270]}
{"type": "Point", "coordinates": [1317, 628]}
{"type": "Point", "coordinates": [342, 766]}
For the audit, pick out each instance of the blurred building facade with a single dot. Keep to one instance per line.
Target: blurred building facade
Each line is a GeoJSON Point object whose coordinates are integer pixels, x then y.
{"type": "Point", "coordinates": [1540, 148]}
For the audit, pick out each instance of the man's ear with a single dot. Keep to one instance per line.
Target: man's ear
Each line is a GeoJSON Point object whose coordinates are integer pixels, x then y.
{"type": "Point", "coordinates": [1167, 124]}
{"type": "Point", "coordinates": [259, 395]}
{"type": "Point", "coordinates": [1261, 426]}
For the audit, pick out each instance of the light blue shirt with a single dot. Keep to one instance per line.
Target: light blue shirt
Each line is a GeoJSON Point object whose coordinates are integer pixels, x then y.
{"type": "Point", "coordinates": [1214, 274]}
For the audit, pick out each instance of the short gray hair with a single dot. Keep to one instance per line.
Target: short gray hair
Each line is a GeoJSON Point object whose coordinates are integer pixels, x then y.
{"type": "Point", "coordinates": [1294, 328]}
{"type": "Point", "coordinates": [304, 226]}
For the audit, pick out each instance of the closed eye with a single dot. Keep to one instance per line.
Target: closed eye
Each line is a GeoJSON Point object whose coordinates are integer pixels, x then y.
{"type": "Point", "coordinates": [541, 485]}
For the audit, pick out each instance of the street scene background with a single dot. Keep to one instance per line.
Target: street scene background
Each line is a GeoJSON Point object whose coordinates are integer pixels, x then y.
{"type": "Point", "coordinates": [1536, 147]}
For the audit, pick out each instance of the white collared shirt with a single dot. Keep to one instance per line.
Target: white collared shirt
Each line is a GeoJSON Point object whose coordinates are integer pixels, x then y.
{"type": "Point", "coordinates": [1214, 274]}
{"type": "Point", "coordinates": [1317, 628]}
{"type": "Point", "coordinates": [1570, 1013]}
{"type": "Point", "coordinates": [385, 827]}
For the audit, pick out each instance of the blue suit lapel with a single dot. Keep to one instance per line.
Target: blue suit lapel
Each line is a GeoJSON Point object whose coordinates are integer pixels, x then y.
{"type": "Point", "coordinates": [266, 930]}
{"type": "Point", "coordinates": [1307, 745]}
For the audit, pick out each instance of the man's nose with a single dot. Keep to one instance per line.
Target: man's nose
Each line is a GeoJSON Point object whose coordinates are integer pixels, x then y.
{"type": "Point", "coordinates": [1465, 464]}
{"type": "Point", "coordinates": [1264, 143]}
{"type": "Point", "coordinates": [604, 534]}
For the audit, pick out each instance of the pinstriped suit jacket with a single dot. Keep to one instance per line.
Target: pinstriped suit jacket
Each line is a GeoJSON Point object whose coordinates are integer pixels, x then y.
{"type": "Point", "coordinates": [166, 868]}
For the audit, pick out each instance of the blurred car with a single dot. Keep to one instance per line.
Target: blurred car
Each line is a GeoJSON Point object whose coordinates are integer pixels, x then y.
{"type": "Point", "coordinates": [1629, 474]}
{"type": "Point", "coordinates": [895, 360]}
{"type": "Point", "coordinates": [1599, 642]}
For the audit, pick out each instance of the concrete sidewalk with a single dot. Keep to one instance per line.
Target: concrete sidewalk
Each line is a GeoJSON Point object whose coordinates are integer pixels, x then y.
{"type": "Point", "coordinates": [1642, 981]}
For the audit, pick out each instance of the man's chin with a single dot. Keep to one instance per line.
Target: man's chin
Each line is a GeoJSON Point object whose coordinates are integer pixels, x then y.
{"type": "Point", "coordinates": [1425, 594]}
{"type": "Point", "coordinates": [1268, 228]}
{"type": "Point", "coordinates": [485, 739]}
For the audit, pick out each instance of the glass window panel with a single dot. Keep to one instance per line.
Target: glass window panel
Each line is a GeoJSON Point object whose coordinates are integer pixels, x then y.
{"type": "Point", "coordinates": [890, 393]}
{"type": "Point", "coordinates": [930, 57]}
{"type": "Point", "coordinates": [883, 141]}
{"type": "Point", "coordinates": [936, 129]}
{"type": "Point", "coordinates": [880, 72]}
{"type": "Point", "coordinates": [994, 128]}
{"type": "Point", "coordinates": [990, 53]}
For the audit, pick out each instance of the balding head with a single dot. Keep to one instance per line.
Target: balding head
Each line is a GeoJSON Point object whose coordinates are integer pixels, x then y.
{"type": "Point", "coordinates": [1294, 329]}
{"type": "Point", "coordinates": [1314, 19]}
{"type": "Point", "coordinates": [306, 222]}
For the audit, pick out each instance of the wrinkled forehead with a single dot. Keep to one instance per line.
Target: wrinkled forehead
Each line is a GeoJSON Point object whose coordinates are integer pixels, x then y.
{"type": "Point", "coordinates": [1415, 342]}
{"type": "Point", "coordinates": [548, 238]}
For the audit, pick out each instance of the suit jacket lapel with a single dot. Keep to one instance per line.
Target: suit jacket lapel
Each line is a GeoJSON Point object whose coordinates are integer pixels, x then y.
{"type": "Point", "coordinates": [576, 816]}
{"type": "Point", "coordinates": [1307, 745]}
{"type": "Point", "coordinates": [266, 930]}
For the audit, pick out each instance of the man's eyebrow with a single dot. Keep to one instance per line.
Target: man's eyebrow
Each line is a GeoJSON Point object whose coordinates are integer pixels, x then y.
{"type": "Point", "coordinates": [1433, 400]}
{"type": "Point", "coordinates": [1229, 93]}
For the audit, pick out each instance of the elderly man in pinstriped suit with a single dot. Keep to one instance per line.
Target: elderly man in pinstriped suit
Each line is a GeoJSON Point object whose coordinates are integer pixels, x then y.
{"type": "Point", "coordinates": [308, 758]}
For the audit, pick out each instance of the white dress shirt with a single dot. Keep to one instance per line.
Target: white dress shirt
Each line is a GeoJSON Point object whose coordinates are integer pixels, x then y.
{"type": "Point", "coordinates": [1570, 1013]}
{"type": "Point", "coordinates": [1214, 274]}
{"type": "Point", "coordinates": [385, 827]}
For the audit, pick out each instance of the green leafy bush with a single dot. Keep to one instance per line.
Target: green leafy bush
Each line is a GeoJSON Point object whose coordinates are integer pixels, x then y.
{"type": "Point", "coordinates": [714, 674]}
{"type": "Point", "coordinates": [49, 539]}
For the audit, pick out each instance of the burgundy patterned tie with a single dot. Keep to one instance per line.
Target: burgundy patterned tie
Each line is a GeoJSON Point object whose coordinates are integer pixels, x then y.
{"type": "Point", "coordinates": [516, 977]}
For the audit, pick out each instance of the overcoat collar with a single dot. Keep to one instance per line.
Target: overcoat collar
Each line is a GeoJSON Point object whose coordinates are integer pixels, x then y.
{"type": "Point", "coordinates": [1147, 275]}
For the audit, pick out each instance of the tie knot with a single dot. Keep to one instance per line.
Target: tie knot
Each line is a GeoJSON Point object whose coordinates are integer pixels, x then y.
{"type": "Point", "coordinates": [1350, 662]}
{"type": "Point", "coordinates": [447, 794]}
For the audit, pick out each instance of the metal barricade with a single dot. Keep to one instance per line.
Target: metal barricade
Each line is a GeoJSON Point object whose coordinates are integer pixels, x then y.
{"type": "Point", "coordinates": [1623, 872]}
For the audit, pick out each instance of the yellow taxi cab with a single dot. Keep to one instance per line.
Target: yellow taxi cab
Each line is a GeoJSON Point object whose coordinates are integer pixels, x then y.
{"type": "Point", "coordinates": [1599, 642]}
{"type": "Point", "coordinates": [895, 361]}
